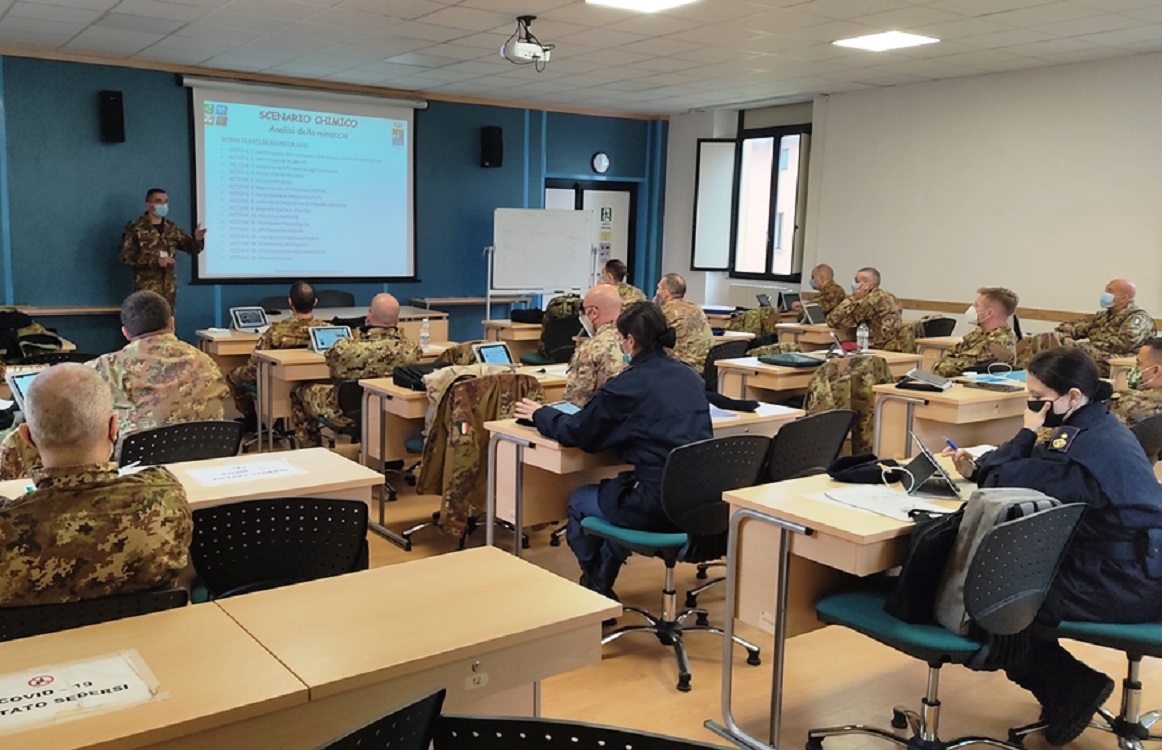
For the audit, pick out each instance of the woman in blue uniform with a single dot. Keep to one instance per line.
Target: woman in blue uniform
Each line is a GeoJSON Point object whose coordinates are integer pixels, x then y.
{"type": "Point", "coordinates": [653, 406]}
{"type": "Point", "coordinates": [1109, 573]}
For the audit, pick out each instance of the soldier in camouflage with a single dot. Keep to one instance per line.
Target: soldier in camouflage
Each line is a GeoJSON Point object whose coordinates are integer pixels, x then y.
{"type": "Point", "coordinates": [881, 312]}
{"type": "Point", "coordinates": [371, 353]}
{"type": "Point", "coordinates": [615, 273]}
{"type": "Point", "coordinates": [688, 321]}
{"type": "Point", "coordinates": [991, 341]}
{"type": "Point", "coordinates": [1116, 330]}
{"type": "Point", "coordinates": [292, 333]}
{"type": "Point", "coordinates": [149, 245]}
{"type": "Point", "coordinates": [847, 383]}
{"type": "Point", "coordinates": [86, 532]}
{"type": "Point", "coordinates": [828, 294]}
{"type": "Point", "coordinates": [598, 357]}
{"type": "Point", "coordinates": [1144, 397]}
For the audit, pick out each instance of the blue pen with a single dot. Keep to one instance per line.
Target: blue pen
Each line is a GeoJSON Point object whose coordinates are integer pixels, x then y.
{"type": "Point", "coordinates": [951, 444]}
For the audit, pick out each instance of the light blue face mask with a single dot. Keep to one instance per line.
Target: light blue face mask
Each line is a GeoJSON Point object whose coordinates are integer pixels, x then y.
{"type": "Point", "coordinates": [161, 210]}
{"type": "Point", "coordinates": [813, 284]}
{"type": "Point", "coordinates": [855, 286]}
{"type": "Point", "coordinates": [1107, 300]}
{"type": "Point", "coordinates": [625, 358]}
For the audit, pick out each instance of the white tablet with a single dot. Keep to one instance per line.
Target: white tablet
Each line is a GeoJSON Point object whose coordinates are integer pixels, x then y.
{"type": "Point", "coordinates": [249, 319]}
{"type": "Point", "coordinates": [324, 337]}
{"type": "Point", "coordinates": [492, 353]}
{"type": "Point", "coordinates": [813, 314]}
{"type": "Point", "coordinates": [20, 379]}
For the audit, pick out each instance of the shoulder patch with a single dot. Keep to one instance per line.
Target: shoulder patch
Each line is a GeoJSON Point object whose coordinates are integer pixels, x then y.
{"type": "Point", "coordinates": [1063, 438]}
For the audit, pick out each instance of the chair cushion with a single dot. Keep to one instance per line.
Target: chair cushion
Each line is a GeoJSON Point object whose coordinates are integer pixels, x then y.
{"type": "Point", "coordinates": [1142, 639]}
{"type": "Point", "coordinates": [414, 444]}
{"type": "Point", "coordinates": [533, 358]}
{"type": "Point", "coordinates": [863, 612]}
{"type": "Point", "coordinates": [643, 542]}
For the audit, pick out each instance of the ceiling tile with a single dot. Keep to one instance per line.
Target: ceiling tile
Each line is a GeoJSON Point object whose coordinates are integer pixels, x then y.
{"type": "Point", "coordinates": [1001, 39]}
{"type": "Point", "coordinates": [129, 22]}
{"type": "Point", "coordinates": [57, 13]}
{"type": "Point", "coordinates": [156, 9]}
{"type": "Point", "coordinates": [427, 31]}
{"type": "Point", "coordinates": [1121, 37]}
{"type": "Point", "coordinates": [1115, 6]}
{"type": "Point", "coordinates": [841, 9]}
{"type": "Point", "coordinates": [1153, 14]}
{"type": "Point", "coordinates": [978, 8]}
{"type": "Point", "coordinates": [1041, 15]}
{"type": "Point", "coordinates": [468, 19]}
{"type": "Point", "coordinates": [404, 9]}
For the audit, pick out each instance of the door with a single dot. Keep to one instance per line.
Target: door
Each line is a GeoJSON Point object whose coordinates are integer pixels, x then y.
{"type": "Point", "coordinates": [614, 207]}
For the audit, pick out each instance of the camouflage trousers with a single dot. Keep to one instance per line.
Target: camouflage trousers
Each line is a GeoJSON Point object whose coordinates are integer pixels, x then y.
{"type": "Point", "coordinates": [309, 403]}
{"type": "Point", "coordinates": [237, 379]}
{"type": "Point", "coordinates": [160, 280]}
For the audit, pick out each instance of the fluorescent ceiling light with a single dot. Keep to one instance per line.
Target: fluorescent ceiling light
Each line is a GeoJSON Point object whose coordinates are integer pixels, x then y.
{"type": "Point", "coordinates": [886, 41]}
{"type": "Point", "coordinates": [642, 6]}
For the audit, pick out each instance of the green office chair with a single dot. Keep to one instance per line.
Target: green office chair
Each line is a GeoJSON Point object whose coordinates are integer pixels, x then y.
{"type": "Point", "coordinates": [1007, 582]}
{"type": "Point", "coordinates": [694, 478]}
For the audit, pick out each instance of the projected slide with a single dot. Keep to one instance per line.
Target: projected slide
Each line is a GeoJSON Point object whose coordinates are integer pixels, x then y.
{"type": "Point", "coordinates": [302, 191]}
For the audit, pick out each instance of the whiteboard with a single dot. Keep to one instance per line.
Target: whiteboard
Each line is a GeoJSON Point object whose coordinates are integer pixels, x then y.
{"type": "Point", "coordinates": [535, 249]}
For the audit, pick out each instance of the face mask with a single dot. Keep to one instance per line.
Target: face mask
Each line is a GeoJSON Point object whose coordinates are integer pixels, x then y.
{"type": "Point", "coordinates": [814, 285]}
{"type": "Point", "coordinates": [1107, 300]}
{"type": "Point", "coordinates": [587, 324]}
{"type": "Point", "coordinates": [160, 210]}
{"type": "Point", "coordinates": [1052, 418]}
{"type": "Point", "coordinates": [971, 317]}
{"type": "Point", "coordinates": [855, 286]}
{"type": "Point", "coordinates": [625, 358]}
{"type": "Point", "coordinates": [1134, 379]}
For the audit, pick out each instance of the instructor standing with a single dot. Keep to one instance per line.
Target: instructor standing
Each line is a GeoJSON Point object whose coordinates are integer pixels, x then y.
{"type": "Point", "coordinates": [150, 244]}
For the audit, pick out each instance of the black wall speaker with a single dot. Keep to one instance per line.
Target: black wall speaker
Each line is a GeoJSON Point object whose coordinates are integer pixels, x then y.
{"type": "Point", "coordinates": [491, 146]}
{"type": "Point", "coordinates": [112, 117]}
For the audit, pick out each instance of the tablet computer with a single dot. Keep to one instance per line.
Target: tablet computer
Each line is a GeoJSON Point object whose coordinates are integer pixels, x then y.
{"type": "Point", "coordinates": [813, 314]}
{"type": "Point", "coordinates": [324, 337]}
{"type": "Point", "coordinates": [764, 300]}
{"type": "Point", "coordinates": [928, 476]}
{"type": "Point", "coordinates": [19, 380]}
{"type": "Point", "coordinates": [786, 299]}
{"type": "Point", "coordinates": [492, 353]}
{"type": "Point", "coordinates": [249, 319]}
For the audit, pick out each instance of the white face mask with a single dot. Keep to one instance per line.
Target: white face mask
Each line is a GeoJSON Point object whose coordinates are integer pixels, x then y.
{"type": "Point", "coordinates": [970, 316]}
{"type": "Point", "coordinates": [587, 324]}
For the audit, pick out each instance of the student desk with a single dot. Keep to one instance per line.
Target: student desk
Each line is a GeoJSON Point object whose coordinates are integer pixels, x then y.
{"type": "Point", "coordinates": [410, 319]}
{"type": "Point", "coordinates": [522, 338]}
{"type": "Point", "coordinates": [808, 337]}
{"type": "Point", "coordinates": [932, 349]}
{"type": "Point", "coordinates": [967, 416]}
{"type": "Point", "coordinates": [746, 377]}
{"type": "Point", "coordinates": [1119, 368]}
{"type": "Point", "coordinates": [799, 550]}
{"type": "Point", "coordinates": [531, 476]}
{"type": "Point", "coordinates": [232, 349]}
{"type": "Point", "coordinates": [722, 338]}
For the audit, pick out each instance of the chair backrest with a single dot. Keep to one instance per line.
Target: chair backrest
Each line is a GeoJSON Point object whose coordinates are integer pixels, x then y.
{"type": "Point", "coordinates": [1017, 328]}
{"type": "Point", "coordinates": [272, 303]}
{"type": "Point", "coordinates": [22, 622]}
{"type": "Point", "coordinates": [407, 728]}
{"type": "Point", "coordinates": [262, 544]}
{"type": "Point", "coordinates": [939, 327]}
{"type": "Point", "coordinates": [185, 441]}
{"type": "Point", "coordinates": [696, 475]}
{"type": "Point", "coordinates": [1149, 434]}
{"type": "Point", "coordinates": [1014, 566]}
{"type": "Point", "coordinates": [557, 337]}
{"type": "Point", "coordinates": [809, 444]}
{"type": "Point", "coordinates": [334, 298]}
{"type": "Point", "coordinates": [725, 350]}
{"type": "Point", "coordinates": [350, 396]}
{"type": "Point", "coordinates": [846, 383]}
{"type": "Point", "coordinates": [55, 358]}
{"type": "Point", "coordinates": [460, 354]}
{"type": "Point", "coordinates": [504, 733]}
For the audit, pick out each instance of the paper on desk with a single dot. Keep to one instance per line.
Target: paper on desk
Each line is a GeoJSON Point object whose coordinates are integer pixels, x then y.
{"type": "Point", "coordinates": [559, 369]}
{"type": "Point", "coordinates": [247, 472]}
{"type": "Point", "coordinates": [772, 410]}
{"type": "Point", "coordinates": [977, 451]}
{"type": "Point", "coordinates": [716, 413]}
{"type": "Point", "coordinates": [878, 499]}
{"type": "Point", "coordinates": [5, 404]}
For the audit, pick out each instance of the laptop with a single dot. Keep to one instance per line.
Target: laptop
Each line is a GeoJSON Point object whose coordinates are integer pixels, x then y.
{"type": "Point", "coordinates": [929, 477]}
{"type": "Point", "coordinates": [248, 319]}
{"type": "Point", "coordinates": [786, 299]}
{"type": "Point", "coordinates": [813, 314]}
{"type": "Point", "coordinates": [324, 337]}
{"type": "Point", "coordinates": [19, 380]}
{"type": "Point", "coordinates": [764, 300]}
{"type": "Point", "coordinates": [492, 353]}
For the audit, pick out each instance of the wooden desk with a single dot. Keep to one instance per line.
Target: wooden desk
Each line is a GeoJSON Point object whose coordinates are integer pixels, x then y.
{"type": "Point", "coordinates": [933, 348]}
{"type": "Point", "coordinates": [228, 348]}
{"type": "Point", "coordinates": [746, 377]}
{"type": "Point", "coordinates": [721, 338]}
{"type": "Point", "coordinates": [967, 416]}
{"type": "Point", "coordinates": [522, 338]}
{"type": "Point", "coordinates": [809, 337]}
{"type": "Point", "coordinates": [410, 319]}
{"type": "Point", "coordinates": [500, 299]}
{"type": "Point", "coordinates": [480, 623]}
{"type": "Point", "coordinates": [279, 370]}
{"type": "Point", "coordinates": [531, 476]}
{"type": "Point", "coordinates": [1119, 368]}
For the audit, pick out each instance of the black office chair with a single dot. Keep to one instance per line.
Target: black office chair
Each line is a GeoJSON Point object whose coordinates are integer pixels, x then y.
{"type": "Point", "coordinates": [505, 733]}
{"type": "Point", "coordinates": [1149, 434]}
{"type": "Point", "coordinates": [264, 544]}
{"type": "Point", "coordinates": [407, 728]}
{"type": "Point", "coordinates": [693, 480]}
{"type": "Point", "coordinates": [557, 340]}
{"type": "Point", "coordinates": [55, 358]}
{"type": "Point", "coordinates": [349, 394]}
{"type": "Point", "coordinates": [725, 350]}
{"type": "Point", "coordinates": [273, 303]}
{"type": "Point", "coordinates": [938, 327]}
{"type": "Point", "coordinates": [334, 298]}
{"type": "Point", "coordinates": [22, 622]}
{"type": "Point", "coordinates": [185, 441]}
{"type": "Point", "coordinates": [1017, 327]}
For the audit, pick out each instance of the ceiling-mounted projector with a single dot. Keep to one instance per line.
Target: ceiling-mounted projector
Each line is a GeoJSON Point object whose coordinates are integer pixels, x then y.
{"type": "Point", "coordinates": [523, 47]}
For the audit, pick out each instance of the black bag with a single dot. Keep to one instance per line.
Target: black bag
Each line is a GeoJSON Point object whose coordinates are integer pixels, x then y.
{"type": "Point", "coordinates": [528, 315]}
{"type": "Point", "coordinates": [863, 468]}
{"type": "Point", "coordinates": [791, 359]}
{"type": "Point", "coordinates": [914, 598]}
{"type": "Point", "coordinates": [412, 376]}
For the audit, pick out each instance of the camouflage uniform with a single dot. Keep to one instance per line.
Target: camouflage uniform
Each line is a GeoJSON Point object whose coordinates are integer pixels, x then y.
{"type": "Point", "coordinates": [141, 246]}
{"type": "Point", "coordinates": [846, 383]}
{"type": "Point", "coordinates": [285, 334]}
{"type": "Point", "coordinates": [85, 532]}
{"type": "Point", "coordinates": [882, 313]}
{"type": "Point", "coordinates": [829, 296]}
{"type": "Point", "coordinates": [158, 379]}
{"type": "Point", "coordinates": [693, 329]}
{"type": "Point", "coordinates": [595, 361]}
{"type": "Point", "coordinates": [1029, 347]}
{"type": "Point", "coordinates": [1133, 407]}
{"type": "Point", "coordinates": [629, 293]}
{"type": "Point", "coordinates": [759, 321]}
{"type": "Point", "coordinates": [978, 348]}
{"type": "Point", "coordinates": [17, 456]}
{"type": "Point", "coordinates": [1106, 334]}
{"type": "Point", "coordinates": [460, 354]}
{"type": "Point", "coordinates": [776, 348]}
{"type": "Point", "coordinates": [374, 354]}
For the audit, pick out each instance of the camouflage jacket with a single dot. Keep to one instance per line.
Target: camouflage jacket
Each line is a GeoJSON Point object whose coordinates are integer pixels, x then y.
{"type": "Point", "coordinates": [882, 313]}
{"type": "Point", "coordinates": [595, 361]}
{"type": "Point", "coordinates": [460, 354]}
{"type": "Point", "coordinates": [1133, 407]}
{"type": "Point", "coordinates": [17, 456]}
{"type": "Point", "coordinates": [286, 334]}
{"type": "Point", "coordinates": [562, 306]}
{"type": "Point", "coordinates": [846, 383]}
{"type": "Point", "coordinates": [371, 354]}
{"type": "Point", "coordinates": [142, 244]}
{"type": "Point", "coordinates": [693, 330]}
{"type": "Point", "coordinates": [978, 348]}
{"type": "Point", "coordinates": [157, 379]}
{"type": "Point", "coordinates": [1111, 334]}
{"type": "Point", "coordinates": [759, 321]}
{"type": "Point", "coordinates": [629, 293]}
{"type": "Point", "coordinates": [829, 296]}
{"type": "Point", "coordinates": [85, 532]}
{"type": "Point", "coordinates": [436, 383]}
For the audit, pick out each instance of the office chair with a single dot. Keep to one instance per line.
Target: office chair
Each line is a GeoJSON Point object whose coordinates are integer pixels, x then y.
{"type": "Point", "coordinates": [273, 303]}
{"type": "Point", "coordinates": [934, 327]}
{"type": "Point", "coordinates": [1007, 581]}
{"type": "Point", "coordinates": [557, 340]}
{"type": "Point", "coordinates": [277, 428]}
{"type": "Point", "coordinates": [693, 480]}
{"type": "Point", "coordinates": [186, 441]}
{"type": "Point", "coordinates": [1149, 434]}
{"type": "Point", "coordinates": [55, 358]}
{"type": "Point", "coordinates": [801, 448]}
{"type": "Point", "coordinates": [334, 298]}
{"type": "Point", "coordinates": [407, 728]}
{"type": "Point", "coordinates": [505, 733]}
{"type": "Point", "coordinates": [264, 544]}
{"type": "Point", "coordinates": [725, 350]}
{"type": "Point", "coordinates": [349, 394]}
{"type": "Point", "coordinates": [22, 622]}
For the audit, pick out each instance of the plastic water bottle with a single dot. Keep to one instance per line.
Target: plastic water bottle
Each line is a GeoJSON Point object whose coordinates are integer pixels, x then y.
{"type": "Point", "coordinates": [861, 337]}
{"type": "Point", "coordinates": [426, 334]}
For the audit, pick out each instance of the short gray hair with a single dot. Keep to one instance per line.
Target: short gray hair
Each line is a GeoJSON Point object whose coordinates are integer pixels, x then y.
{"type": "Point", "coordinates": [145, 312]}
{"type": "Point", "coordinates": [873, 271]}
{"type": "Point", "coordinates": [68, 405]}
{"type": "Point", "coordinates": [674, 284]}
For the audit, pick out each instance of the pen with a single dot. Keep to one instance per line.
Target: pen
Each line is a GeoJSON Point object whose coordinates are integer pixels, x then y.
{"type": "Point", "coordinates": [951, 444]}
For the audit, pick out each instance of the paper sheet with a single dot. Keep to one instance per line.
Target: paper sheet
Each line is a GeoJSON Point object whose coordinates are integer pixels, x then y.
{"type": "Point", "coordinates": [247, 472]}
{"type": "Point", "coordinates": [771, 410]}
{"type": "Point", "coordinates": [977, 451]}
{"type": "Point", "coordinates": [716, 413]}
{"type": "Point", "coordinates": [878, 499]}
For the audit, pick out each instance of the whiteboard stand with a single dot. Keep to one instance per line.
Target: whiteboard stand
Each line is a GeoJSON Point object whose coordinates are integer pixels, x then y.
{"type": "Point", "coordinates": [489, 252]}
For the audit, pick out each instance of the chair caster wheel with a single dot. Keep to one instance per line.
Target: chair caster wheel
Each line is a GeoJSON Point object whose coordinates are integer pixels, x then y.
{"type": "Point", "coordinates": [666, 641]}
{"type": "Point", "coordinates": [702, 621]}
{"type": "Point", "coordinates": [554, 541]}
{"type": "Point", "coordinates": [691, 601]}
{"type": "Point", "coordinates": [524, 541]}
{"type": "Point", "coordinates": [702, 575]}
{"type": "Point", "coordinates": [411, 480]}
{"type": "Point", "coordinates": [392, 497]}
{"type": "Point", "coordinates": [899, 721]}
{"type": "Point", "coordinates": [753, 659]}
{"type": "Point", "coordinates": [684, 683]}
{"type": "Point", "coordinates": [1016, 739]}
{"type": "Point", "coordinates": [814, 744]}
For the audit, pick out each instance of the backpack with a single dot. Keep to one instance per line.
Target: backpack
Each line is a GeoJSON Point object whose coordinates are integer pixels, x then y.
{"type": "Point", "coordinates": [21, 336]}
{"type": "Point", "coordinates": [412, 376]}
{"type": "Point", "coordinates": [913, 600]}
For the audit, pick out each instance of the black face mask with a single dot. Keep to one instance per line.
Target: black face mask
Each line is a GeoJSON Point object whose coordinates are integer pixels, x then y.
{"type": "Point", "coordinates": [1052, 418]}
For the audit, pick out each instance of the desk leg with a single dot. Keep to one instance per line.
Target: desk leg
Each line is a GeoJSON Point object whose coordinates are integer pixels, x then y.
{"type": "Point", "coordinates": [260, 380]}
{"type": "Point", "coordinates": [518, 491]}
{"type": "Point", "coordinates": [910, 404]}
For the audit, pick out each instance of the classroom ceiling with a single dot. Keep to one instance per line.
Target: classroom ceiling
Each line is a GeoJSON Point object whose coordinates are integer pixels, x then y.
{"type": "Point", "coordinates": [709, 54]}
